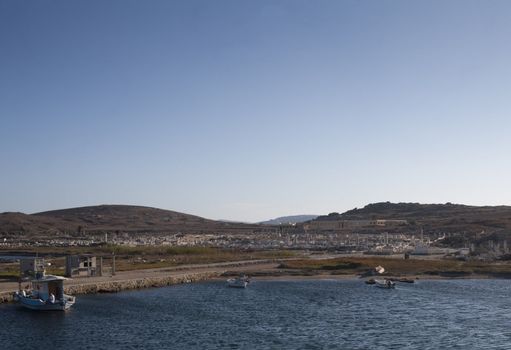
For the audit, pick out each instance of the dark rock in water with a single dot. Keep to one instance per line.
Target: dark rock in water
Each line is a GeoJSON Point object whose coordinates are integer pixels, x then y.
{"type": "Point", "coordinates": [402, 280]}
{"type": "Point", "coordinates": [406, 280]}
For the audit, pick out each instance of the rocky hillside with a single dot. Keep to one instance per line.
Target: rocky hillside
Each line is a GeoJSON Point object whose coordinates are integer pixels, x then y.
{"type": "Point", "coordinates": [111, 218]}
{"type": "Point", "coordinates": [437, 217]}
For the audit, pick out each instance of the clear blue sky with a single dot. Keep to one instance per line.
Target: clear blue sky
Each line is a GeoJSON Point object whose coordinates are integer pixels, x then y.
{"type": "Point", "coordinates": [248, 110]}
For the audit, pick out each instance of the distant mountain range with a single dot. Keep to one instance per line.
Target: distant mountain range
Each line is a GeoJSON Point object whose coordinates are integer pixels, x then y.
{"type": "Point", "coordinates": [287, 220]}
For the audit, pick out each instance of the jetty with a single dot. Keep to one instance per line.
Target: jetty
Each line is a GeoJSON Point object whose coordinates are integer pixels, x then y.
{"type": "Point", "coordinates": [147, 278]}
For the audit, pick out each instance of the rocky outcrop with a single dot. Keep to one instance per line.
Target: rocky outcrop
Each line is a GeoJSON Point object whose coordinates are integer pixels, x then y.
{"type": "Point", "coordinates": [6, 297]}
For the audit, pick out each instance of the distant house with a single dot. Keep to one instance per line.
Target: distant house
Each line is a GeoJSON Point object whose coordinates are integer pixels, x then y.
{"type": "Point", "coordinates": [30, 267]}
{"type": "Point", "coordinates": [82, 265]}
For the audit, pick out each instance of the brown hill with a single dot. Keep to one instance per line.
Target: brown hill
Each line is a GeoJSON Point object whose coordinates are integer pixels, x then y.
{"type": "Point", "coordinates": [19, 223]}
{"type": "Point", "coordinates": [110, 218]}
{"type": "Point", "coordinates": [433, 217]}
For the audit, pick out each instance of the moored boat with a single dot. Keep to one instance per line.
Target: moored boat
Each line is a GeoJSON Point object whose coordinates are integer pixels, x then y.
{"type": "Point", "coordinates": [238, 282]}
{"type": "Point", "coordinates": [387, 284]}
{"type": "Point", "coordinates": [47, 293]}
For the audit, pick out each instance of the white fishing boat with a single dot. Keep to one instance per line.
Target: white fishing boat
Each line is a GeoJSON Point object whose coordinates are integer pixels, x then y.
{"type": "Point", "coordinates": [238, 282]}
{"type": "Point", "coordinates": [47, 293]}
{"type": "Point", "coordinates": [387, 284]}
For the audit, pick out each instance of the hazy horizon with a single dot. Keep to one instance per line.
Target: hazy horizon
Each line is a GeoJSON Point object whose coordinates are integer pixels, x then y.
{"type": "Point", "coordinates": [249, 111]}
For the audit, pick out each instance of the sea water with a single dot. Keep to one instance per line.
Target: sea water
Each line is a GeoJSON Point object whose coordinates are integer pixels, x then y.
{"type": "Point", "coordinates": [310, 314]}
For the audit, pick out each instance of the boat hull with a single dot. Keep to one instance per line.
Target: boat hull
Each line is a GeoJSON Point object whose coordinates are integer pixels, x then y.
{"type": "Point", "coordinates": [234, 283]}
{"type": "Point", "coordinates": [38, 304]}
{"type": "Point", "coordinates": [385, 284]}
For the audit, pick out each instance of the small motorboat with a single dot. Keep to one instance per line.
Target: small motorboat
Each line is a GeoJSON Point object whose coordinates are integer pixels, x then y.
{"type": "Point", "coordinates": [387, 284]}
{"type": "Point", "coordinates": [47, 293]}
{"type": "Point", "coordinates": [239, 282]}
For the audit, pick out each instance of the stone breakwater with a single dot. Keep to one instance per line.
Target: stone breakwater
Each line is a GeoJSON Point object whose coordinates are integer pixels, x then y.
{"type": "Point", "coordinates": [151, 282]}
{"type": "Point", "coordinates": [129, 284]}
{"type": "Point", "coordinates": [5, 297]}
{"type": "Point", "coordinates": [164, 277]}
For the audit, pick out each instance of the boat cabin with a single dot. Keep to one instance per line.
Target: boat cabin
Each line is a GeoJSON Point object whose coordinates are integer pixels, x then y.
{"type": "Point", "coordinates": [47, 286]}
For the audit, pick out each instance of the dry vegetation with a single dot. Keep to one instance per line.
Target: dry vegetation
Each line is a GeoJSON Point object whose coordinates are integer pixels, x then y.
{"type": "Point", "coordinates": [398, 267]}
{"type": "Point", "coordinates": [142, 257]}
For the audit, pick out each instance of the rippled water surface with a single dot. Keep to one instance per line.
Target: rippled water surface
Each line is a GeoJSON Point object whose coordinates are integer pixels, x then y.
{"type": "Point", "coordinates": [323, 314]}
